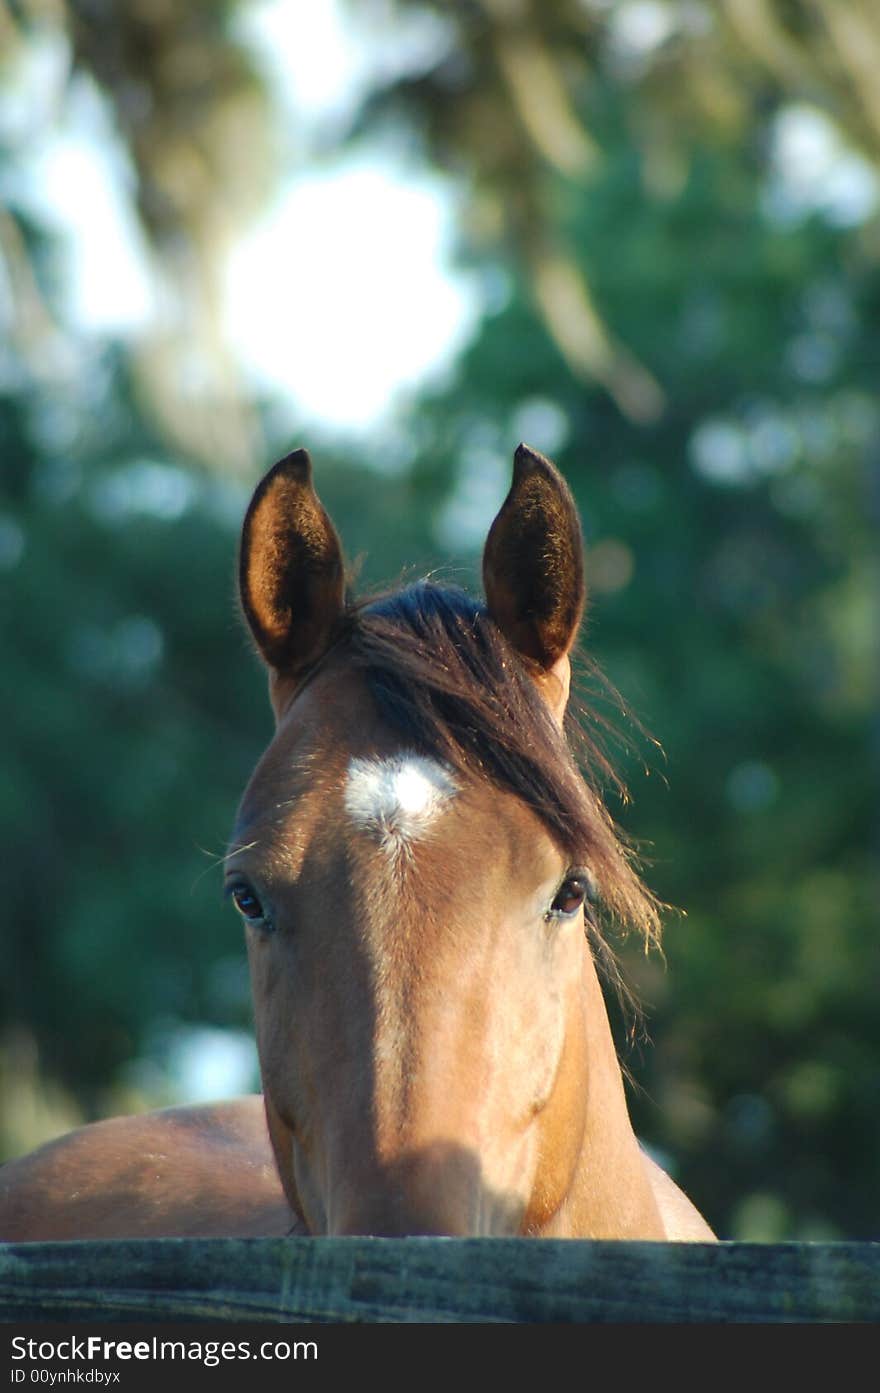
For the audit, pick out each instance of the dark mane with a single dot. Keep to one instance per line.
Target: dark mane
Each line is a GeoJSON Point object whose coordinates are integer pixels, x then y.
{"type": "Point", "coordinates": [444, 676]}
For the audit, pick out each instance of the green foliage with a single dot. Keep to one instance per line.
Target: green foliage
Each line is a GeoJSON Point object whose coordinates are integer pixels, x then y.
{"type": "Point", "coordinates": [129, 675]}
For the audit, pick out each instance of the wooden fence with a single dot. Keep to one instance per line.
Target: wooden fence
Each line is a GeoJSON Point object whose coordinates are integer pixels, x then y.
{"type": "Point", "coordinates": [358, 1280]}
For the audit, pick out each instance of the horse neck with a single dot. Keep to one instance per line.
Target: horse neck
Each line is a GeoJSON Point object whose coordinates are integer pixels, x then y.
{"type": "Point", "coordinates": [611, 1195]}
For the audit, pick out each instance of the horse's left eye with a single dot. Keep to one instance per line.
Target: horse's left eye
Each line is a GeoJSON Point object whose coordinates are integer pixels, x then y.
{"type": "Point", "coordinates": [574, 890]}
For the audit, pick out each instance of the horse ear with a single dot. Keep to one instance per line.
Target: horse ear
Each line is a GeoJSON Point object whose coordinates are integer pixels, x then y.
{"type": "Point", "coordinates": [291, 574]}
{"type": "Point", "coordinates": [533, 563]}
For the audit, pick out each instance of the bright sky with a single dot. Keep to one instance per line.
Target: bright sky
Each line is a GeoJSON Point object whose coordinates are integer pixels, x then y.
{"type": "Point", "coordinates": [343, 296]}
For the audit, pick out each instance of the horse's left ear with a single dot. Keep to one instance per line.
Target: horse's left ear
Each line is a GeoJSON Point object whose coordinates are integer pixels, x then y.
{"type": "Point", "coordinates": [533, 571]}
{"type": "Point", "coordinates": [291, 572]}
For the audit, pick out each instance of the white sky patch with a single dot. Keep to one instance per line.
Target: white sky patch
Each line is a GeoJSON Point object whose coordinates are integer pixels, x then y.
{"type": "Point", "coordinates": [79, 180]}
{"type": "Point", "coordinates": [196, 1064]}
{"type": "Point", "coordinates": [343, 299]}
{"type": "Point", "coordinates": [815, 171]}
{"type": "Point", "coordinates": [304, 51]}
{"type": "Point", "coordinates": [399, 797]}
{"type": "Point", "coordinates": [323, 58]}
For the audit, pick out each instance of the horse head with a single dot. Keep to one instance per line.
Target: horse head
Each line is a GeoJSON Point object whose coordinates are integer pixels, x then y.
{"type": "Point", "coordinates": [415, 860]}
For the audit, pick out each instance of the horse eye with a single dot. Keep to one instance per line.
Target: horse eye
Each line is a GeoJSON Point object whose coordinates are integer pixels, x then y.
{"type": "Point", "coordinates": [246, 902]}
{"type": "Point", "coordinates": [574, 890]}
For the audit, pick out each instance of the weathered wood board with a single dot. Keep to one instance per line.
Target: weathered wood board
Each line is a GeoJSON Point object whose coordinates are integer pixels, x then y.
{"type": "Point", "coordinates": [357, 1280]}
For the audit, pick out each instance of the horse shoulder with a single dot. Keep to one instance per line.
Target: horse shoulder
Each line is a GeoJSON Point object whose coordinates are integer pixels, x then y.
{"type": "Point", "coordinates": [682, 1221]}
{"type": "Point", "coordinates": [185, 1172]}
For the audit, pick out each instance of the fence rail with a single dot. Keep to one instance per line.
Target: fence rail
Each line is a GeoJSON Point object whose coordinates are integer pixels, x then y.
{"type": "Point", "coordinates": [356, 1280]}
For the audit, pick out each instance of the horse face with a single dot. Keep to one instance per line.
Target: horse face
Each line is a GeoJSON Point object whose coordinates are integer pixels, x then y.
{"type": "Point", "coordinates": [415, 934]}
{"type": "Point", "coordinates": [417, 956]}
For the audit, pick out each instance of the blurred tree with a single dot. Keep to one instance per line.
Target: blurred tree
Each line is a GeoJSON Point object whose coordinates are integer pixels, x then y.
{"type": "Point", "coordinates": [178, 91]}
{"type": "Point", "coordinates": [504, 106]}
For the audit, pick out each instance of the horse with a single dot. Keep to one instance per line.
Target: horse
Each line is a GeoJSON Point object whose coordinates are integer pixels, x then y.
{"type": "Point", "coordinates": [424, 870]}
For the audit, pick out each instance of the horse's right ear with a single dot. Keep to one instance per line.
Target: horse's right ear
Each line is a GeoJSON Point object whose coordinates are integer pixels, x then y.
{"type": "Point", "coordinates": [291, 572]}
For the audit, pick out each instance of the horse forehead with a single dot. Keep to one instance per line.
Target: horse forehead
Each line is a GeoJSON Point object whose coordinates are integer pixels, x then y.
{"type": "Point", "coordinates": [398, 796]}
{"type": "Point", "coordinates": [336, 772]}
